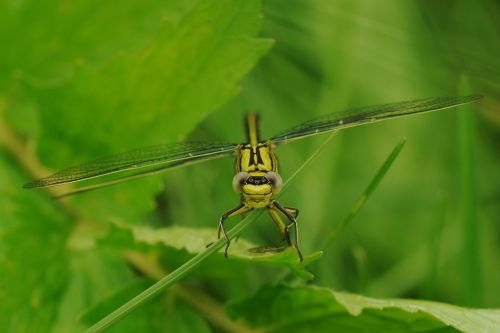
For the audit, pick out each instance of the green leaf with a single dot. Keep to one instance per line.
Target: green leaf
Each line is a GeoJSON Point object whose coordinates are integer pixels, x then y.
{"type": "Point", "coordinates": [61, 35]}
{"type": "Point", "coordinates": [147, 95]}
{"type": "Point", "coordinates": [183, 319]}
{"type": "Point", "coordinates": [93, 274]}
{"type": "Point", "coordinates": [314, 309]}
{"type": "Point", "coordinates": [195, 241]}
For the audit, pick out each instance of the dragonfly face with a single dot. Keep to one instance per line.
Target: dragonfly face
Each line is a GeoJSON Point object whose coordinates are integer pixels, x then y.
{"type": "Point", "coordinates": [257, 187]}
{"type": "Point", "coordinates": [257, 176]}
{"type": "Point", "coordinates": [257, 191]}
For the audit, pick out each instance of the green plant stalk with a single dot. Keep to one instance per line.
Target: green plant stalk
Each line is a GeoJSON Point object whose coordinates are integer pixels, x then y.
{"type": "Point", "coordinates": [193, 263]}
{"type": "Point", "coordinates": [171, 278]}
{"type": "Point", "coordinates": [198, 299]}
{"type": "Point", "coordinates": [366, 194]}
{"type": "Point", "coordinates": [471, 262]}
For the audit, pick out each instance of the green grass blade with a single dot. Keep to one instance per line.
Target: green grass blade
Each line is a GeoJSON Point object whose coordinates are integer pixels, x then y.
{"type": "Point", "coordinates": [367, 193]}
{"type": "Point", "coordinates": [471, 266]}
{"type": "Point", "coordinates": [172, 278]}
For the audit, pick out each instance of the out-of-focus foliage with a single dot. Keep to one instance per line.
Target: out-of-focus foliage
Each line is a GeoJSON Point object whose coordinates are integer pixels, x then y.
{"type": "Point", "coordinates": [79, 80]}
{"type": "Point", "coordinates": [312, 309]}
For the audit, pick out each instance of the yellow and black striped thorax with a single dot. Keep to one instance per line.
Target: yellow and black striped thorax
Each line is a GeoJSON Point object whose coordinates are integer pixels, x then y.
{"type": "Point", "coordinates": [256, 158]}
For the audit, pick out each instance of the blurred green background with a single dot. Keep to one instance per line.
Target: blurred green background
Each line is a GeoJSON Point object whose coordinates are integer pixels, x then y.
{"type": "Point", "coordinates": [79, 80]}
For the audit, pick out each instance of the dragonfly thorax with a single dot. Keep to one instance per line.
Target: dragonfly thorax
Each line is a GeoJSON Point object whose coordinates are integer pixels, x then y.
{"type": "Point", "coordinates": [258, 157]}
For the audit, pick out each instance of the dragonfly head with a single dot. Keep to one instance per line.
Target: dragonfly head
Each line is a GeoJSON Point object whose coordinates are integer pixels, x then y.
{"type": "Point", "coordinates": [257, 187]}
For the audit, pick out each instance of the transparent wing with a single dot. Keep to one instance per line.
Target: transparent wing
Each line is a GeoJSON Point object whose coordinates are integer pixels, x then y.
{"type": "Point", "coordinates": [363, 115]}
{"type": "Point", "coordinates": [143, 172]}
{"type": "Point", "coordinates": [163, 156]}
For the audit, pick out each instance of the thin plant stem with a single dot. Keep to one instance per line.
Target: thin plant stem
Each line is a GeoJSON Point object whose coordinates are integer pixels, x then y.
{"type": "Point", "coordinates": [197, 298]}
{"type": "Point", "coordinates": [366, 194]}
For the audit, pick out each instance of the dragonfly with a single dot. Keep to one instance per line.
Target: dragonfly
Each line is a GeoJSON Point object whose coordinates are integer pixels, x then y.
{"type": "Point", "coordinates": [257, 175]}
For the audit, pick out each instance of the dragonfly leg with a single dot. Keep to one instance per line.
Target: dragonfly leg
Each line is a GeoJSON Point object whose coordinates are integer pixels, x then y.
{"type": "Point", "coordinates": [275, 216]}
{"type": "Point", "coordinates": [242, 217]}
{"type": "Point", "coordinates": [293, 211]}
{"type": "Point", "coordinates": [274, 213]}
{"type": "Point", "coordinates": [242, 208]}
{"type": "Point", "coordinates": [291, 214]}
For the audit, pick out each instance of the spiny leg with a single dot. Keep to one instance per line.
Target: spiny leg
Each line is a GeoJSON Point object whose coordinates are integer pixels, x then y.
{"type": "Point", "coordinates": [232, 213]}
{"type": "Point", "coordinates": [242, 217]}
{"type": "Point", "coordinates": [242, 208]}
{"type": "Point", "coordinates": [274, 213]}
{"type": "Point", "coordinates": [291, 214]}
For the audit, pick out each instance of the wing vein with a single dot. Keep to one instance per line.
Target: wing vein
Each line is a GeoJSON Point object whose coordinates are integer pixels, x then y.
{"type": "Point", "coordinates": [169, 154]}
{"type": "Point", "coordinates": [363, 115]}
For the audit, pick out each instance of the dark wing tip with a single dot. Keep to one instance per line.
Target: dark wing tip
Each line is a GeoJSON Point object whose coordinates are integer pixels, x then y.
{"type": "Point", "coordinates": [470, 98]}
{"type": "Point", "coordinates": [34, 184]}
{"type": "Point", "coordinates": [474, 97]}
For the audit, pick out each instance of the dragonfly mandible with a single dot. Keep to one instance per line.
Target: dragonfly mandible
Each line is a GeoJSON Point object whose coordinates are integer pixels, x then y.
{"type": "Point", "coordinates": [257, 177]}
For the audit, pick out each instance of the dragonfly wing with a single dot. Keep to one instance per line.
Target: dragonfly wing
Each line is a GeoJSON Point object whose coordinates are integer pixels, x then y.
{"type": "Point", "coordinates": [161, 156]}
{"type": "Point", "coordinates": [143, 172]}
{"type": "Point", "coordinates": [363, 115]}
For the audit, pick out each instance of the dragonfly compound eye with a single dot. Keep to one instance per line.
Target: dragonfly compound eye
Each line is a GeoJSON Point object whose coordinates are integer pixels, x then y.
{"type": "Point", "coordinates": [275, 180]}
{"type": "Point", "coordinates": [239, 180]}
